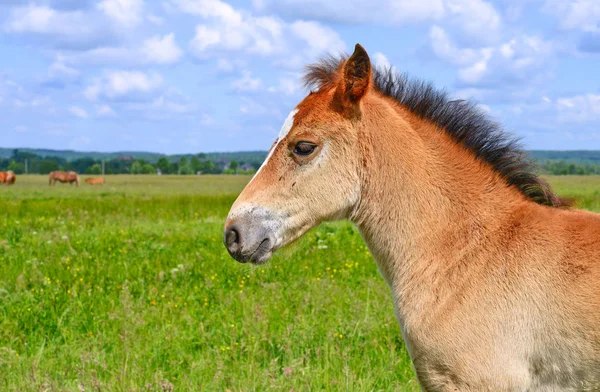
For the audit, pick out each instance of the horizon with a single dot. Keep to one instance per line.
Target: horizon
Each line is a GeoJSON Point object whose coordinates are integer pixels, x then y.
{"type": "Point", "coordinates": [211, 75]}
{"type": "Point", "coordinates": [217, 152]}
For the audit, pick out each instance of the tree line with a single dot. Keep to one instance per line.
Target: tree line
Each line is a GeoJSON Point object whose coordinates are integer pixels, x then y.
{"type": "Point", "coordinates": [562, 167]}
{"type": "Point", "coordinates": [20, 162]}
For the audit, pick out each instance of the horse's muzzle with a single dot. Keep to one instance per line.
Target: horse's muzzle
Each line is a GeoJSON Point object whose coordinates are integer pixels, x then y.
{"type": "Point", "coordinates": [248, 239]}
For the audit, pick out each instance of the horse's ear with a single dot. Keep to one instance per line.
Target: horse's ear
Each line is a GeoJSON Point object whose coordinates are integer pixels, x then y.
{"type": "Point", "coordinates": [357, 74]}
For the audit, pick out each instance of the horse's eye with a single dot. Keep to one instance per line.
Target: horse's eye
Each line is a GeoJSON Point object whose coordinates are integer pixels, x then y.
{"type": "Point", "coordinates": [304, 148]}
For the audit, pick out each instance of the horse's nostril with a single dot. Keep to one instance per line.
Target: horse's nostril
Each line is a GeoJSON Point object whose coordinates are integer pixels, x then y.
{"type": "Point", "coordinates": [232, 239]}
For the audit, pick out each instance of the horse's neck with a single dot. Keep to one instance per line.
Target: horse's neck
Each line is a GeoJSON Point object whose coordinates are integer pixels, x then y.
{"type": "Point", "coordinates": [427, 204]}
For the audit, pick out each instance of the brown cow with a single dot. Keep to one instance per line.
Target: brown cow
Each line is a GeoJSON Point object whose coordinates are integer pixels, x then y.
{"type": "Point", "coordinates": [95, 181]}
{"type": "Point", "coordinates": [60, 176]}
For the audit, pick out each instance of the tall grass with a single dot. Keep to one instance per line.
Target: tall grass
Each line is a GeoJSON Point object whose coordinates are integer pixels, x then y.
{"type": "Point", "coordinates": [128, 287]}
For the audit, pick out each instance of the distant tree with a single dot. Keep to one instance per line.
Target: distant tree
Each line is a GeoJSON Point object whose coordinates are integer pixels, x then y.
{"type": "Point", "coordinates": [46, 166]}
{"type": "Point", "coordinates": [173, 168]}
{"type": "Point", "coordinates": [4, 164]}
{"type": "Point", "coordinates": [117, 166]}
{"type": "Point", "coordinates": [184, 166]}
{"type": "Point", "coordinates": [17, 167]}
{"type": "Point", "coordinates": [81, 165]}
{"type": "Point", "coordinates": [94, 169]}
{"type": "Point", "coordinates": [163, 165]}
{"type": "Point", "coordinates": [233, 165]}
{"type": "Point", "coordinates": [136, 167]}
{"type": "Point", "coordinates": [20, 157]}
{"type": "Point", "coordinates": [148, 169]}
{"type": "Point", "coordinates": [195, 164]}
{"type": "Point", "coordinates": [208, 167]}
{"type": "Point", "coordinates": [562, 167]}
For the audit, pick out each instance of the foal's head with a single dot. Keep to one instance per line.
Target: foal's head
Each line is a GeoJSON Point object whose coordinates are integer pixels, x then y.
{"type": "Point", "coordinates": [312, 172]}
{"type": "Point", "coordinates": [320, 166]}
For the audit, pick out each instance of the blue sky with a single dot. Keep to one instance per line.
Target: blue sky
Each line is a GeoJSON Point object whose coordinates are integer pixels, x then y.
{"type": "Point", "coordinates": [183, 76]}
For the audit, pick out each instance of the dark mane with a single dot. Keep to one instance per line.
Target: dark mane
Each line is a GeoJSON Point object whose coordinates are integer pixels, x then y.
{"type": "Point", "coordinates": [466, 123]}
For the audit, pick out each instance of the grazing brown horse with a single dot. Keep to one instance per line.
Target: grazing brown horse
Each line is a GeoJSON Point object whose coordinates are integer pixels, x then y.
{"type": "Point", "coordinates": [496, 288]}
{"type": "Point", "coordinates": [94, 181]}
{"type": "Point", "coordinates": [10, 178]}
{"type": "Point", "coordinates": [60, 176]}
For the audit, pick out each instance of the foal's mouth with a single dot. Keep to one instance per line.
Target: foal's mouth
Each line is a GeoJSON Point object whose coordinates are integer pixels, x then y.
{"type": "Point", "coordinates": [263, 252]}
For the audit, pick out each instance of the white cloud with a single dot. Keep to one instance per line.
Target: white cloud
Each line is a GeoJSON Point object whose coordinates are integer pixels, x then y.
{"type": "Point", "coordinates": [254, 108]}
{"type": "Point", "coordinates": [205, 37]}
{"type": "Point", "coordinates": [227, 30]}
{"type": "Point", "coordinates": [58, 69]}
{"type": "Point", "coordinates": [33, 102]}
{"type": "Point", "coordinates": [230, 29]}
{"type": "Point", "coordinates": [157, 20]}
{"type": "Point", "coordinates": [105, 111]}
{"type": "Point", "coordinates": [381, 61]}
{"type": "Point", "coordinates": [105, 56]}
{"type": "Point", "coordinates": [477, 18]}
{"type": "Point", "coordinates": [169, 104]}
{"type": "Point", "coordinates": [575, 14]}
{"type": "Point", "coordinates": [78, 112]}
{"type": "Point", "coordinates": [210, 8]}
{"type": "Point", "coordinates": [71, 29]}
{"type": "Point", "coordinates": [155, 50]}
{"type": "Point", "coordinates": [579, 108]}
{"type": "Point", "coordinates": [411, 11]}
{"type": "Point", "coordinates": [43, 19]}
{"type": "Point", "coordinates": [446, 50]}
{"type": "Point", "coordinates": [356, 11]}
{"type": "Point", "coordinates": [161, 50]}
{"type": "Point", "coordinates": [206, 120]}
{"type": "Point", "coordinates": [60, 73]}
{"type": "Point", "coordinates": [15, 95]}
{"type": "Point", "coordinates": [261, 35]}
{"type": "Point", "coordinates": [224, 65]}
{"type": "Point", "coordinates": [122, 84]}
{"type": "Point", "coordinates": [125, 12]}
{"type": "Point", "coordinates": [165, 104]}
{"type": "Point", "coordinates": [318, 38]}
{"type": "Point", "coordinates": [247, 83]}
{"type": "Point", "coordinates": [522, 59]}
{"type": "Point", "coordinates": [287, 86]}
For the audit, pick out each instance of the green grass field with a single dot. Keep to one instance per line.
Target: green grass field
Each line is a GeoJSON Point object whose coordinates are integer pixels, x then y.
{"type": "Point", "coordinates": [128, 287]}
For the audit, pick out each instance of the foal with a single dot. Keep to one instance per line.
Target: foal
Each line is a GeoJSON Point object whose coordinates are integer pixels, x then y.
{"type": "Point", "coordinates": [495, 287]}
{"type": "Point", "coordinates": [95, 181]}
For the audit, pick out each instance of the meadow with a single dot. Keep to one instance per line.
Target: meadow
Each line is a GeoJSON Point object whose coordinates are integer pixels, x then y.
{"type": "Point", "coordinates": [128, 287]}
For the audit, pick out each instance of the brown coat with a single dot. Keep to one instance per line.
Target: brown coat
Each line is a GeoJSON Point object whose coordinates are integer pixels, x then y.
{"type": "Point", "coordinates": [495, 288]}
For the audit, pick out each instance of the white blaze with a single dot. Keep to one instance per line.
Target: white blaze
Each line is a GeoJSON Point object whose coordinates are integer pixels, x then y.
{"type": "Point", "coordinates": [285, 129]}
